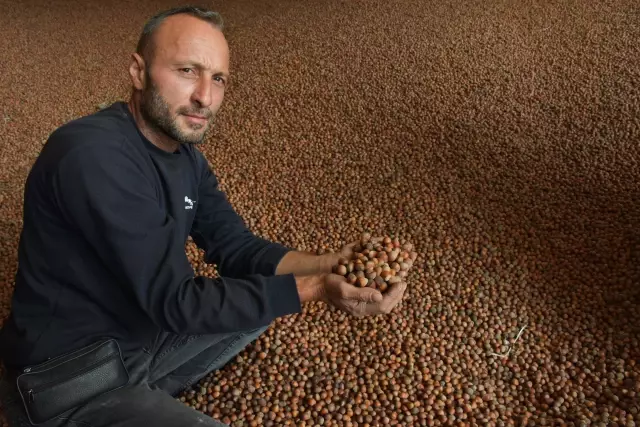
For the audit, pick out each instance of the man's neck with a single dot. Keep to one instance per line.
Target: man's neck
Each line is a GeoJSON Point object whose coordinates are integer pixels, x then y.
{"type": "Point", "coordinates": [158, 139]}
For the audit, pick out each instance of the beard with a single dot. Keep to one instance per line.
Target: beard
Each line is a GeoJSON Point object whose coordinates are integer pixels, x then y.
{"type": "Point", "coordinates": [156, 111]}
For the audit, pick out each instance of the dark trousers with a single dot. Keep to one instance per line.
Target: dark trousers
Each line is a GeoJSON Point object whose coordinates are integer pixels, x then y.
{"type": "Point", "coordinates": [158, 373]}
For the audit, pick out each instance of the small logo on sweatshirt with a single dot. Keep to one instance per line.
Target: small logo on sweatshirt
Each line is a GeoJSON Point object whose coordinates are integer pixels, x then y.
{"type": "Point", "coordinates": [189, 203]}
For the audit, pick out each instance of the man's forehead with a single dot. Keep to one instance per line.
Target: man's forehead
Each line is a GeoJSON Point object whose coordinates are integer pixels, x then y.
{"type": "Point", "coordinates": [186, 36]}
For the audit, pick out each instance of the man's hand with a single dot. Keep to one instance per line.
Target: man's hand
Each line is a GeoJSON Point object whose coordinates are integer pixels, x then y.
{"type": "Point", "coordinates": [361, 301]}
{"type": "Point", "coordinates": [305, 263]}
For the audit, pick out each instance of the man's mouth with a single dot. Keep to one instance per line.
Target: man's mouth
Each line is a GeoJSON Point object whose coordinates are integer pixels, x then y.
{"type": "Point", "coordinates": [194, 118]}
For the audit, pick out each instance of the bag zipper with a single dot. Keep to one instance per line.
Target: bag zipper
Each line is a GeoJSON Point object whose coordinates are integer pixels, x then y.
{"type": "Point", "coordinates": [46, 364]}
{"type": "Point", "coordinates": [33, 391]}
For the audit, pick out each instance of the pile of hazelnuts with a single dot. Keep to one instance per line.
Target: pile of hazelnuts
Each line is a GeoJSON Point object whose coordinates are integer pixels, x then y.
{"type": "Point", "coordinates": [378, 263]}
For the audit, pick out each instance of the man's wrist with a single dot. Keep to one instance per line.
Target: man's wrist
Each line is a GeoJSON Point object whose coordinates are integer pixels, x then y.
{"type": "Point", "coordinates": [310, 288]}
{"type": "Point", "coordinates": [328, 261]}
{"type": "Point", "coordinates": [306, 263]}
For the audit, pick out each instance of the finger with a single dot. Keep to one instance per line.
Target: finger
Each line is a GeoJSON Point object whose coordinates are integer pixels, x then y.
{"type": "Point", "coordinates": [348, 249]}
{"type": "Point", "coordinates": [397, 290]}
{"type": "Point", "coordinates": [394, 282]}
{"type": "Point", "coordinates": [395, 294]}
{"type": "Point", "coordinates": [362, 294]}
{"type": "Point", "coordinates": [333, 277]}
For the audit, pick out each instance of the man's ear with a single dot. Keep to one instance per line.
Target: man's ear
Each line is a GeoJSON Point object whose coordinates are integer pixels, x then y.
{"type": "Point", "coordinates": [136, 71]}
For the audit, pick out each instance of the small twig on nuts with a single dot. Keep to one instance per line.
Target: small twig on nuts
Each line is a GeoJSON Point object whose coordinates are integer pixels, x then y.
{"type": "Point", "coordinates": [518, 336]}
{"type": "Point", "coordinates": [501, 355]}
{"type": "Point", "coordinates": [505, 355]}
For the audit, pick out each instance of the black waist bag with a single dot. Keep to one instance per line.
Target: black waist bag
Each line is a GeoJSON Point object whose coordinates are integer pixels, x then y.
{"type": "Point", "coordinates": [53, 387]}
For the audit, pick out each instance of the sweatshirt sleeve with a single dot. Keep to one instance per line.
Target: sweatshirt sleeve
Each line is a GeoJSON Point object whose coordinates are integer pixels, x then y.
{"type": "Point", "coordinates": [222, 233]}
{"type": "Point", "coordinates": [104, 194]}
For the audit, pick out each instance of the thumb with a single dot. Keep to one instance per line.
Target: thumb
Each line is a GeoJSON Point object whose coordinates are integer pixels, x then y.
{"type": "Point", "coordinates": [364, 294]}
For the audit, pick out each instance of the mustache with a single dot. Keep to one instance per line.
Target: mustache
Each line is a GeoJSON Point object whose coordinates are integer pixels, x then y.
{"type": "Point", "coordinates": [206, 113]}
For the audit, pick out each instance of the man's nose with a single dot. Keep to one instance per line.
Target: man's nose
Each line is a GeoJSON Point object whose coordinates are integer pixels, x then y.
{"type": "Point", "coordinates": [202, 92]}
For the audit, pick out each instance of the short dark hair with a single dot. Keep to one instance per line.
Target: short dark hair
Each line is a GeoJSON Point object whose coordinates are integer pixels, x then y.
{"type": "Point", "coordinates": [145, 43]}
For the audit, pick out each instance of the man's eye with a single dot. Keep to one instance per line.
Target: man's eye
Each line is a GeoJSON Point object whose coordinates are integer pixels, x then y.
{"type": "Point", "coordinates": [186, 70]}
{"type": "Point", "coordinates": [220, 80]}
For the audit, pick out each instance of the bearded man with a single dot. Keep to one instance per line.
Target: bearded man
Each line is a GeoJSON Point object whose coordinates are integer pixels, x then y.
{"type": "Point", "coordinates": [108, 322]}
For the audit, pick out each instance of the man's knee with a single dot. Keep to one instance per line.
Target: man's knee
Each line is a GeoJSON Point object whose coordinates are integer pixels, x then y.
{"type": "Point", "coordinates": [216, 354]}
{"type": "Point", "coordinates": [254, 334]}
{"type": "Point", "coordinates": [237, 344]}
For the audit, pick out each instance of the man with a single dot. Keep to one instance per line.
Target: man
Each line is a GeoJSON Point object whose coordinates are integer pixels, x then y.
{"type": "Point", "coordinates": [109, 205]}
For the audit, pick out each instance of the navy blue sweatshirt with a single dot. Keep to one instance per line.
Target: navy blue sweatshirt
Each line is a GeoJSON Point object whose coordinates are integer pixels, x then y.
{"type": "Point", "coordinates": [102, 251]}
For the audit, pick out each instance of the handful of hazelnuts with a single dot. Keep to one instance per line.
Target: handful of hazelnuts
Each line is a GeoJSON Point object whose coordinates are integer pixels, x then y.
{"type": "Point", "coordinates": [377, 263]}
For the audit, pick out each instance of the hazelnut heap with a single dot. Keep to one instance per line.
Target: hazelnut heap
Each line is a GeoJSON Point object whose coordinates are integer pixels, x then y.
{"type": "Point", "coordinates": [377, 263]}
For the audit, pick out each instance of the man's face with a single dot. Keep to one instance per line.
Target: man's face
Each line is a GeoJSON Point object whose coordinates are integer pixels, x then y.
{"type": "Point", "coordinates": [185, 78]}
